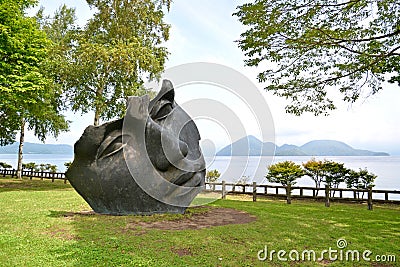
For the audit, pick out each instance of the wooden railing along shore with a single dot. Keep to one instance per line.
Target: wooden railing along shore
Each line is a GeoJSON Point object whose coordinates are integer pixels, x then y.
{"type": "Point", "coordinates": [261, 190]}
{"type": "Point", "coordinates": [35, 174]}
{"type": "Point", "coordinates": [289, 192]}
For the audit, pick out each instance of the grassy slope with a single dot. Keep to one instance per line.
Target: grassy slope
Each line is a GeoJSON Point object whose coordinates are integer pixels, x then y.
{"type": "Point", "coordinates": [37, 229]}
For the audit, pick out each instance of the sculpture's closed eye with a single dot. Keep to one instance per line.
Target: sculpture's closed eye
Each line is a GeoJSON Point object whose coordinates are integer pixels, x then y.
{"type": "Point", "coordinates": [162, 110]}
{"type": "Point", "coordinates": [111, 145]}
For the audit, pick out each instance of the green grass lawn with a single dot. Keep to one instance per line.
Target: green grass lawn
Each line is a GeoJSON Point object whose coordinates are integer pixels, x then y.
{"type": "Point", "coordinates": [39, 228]}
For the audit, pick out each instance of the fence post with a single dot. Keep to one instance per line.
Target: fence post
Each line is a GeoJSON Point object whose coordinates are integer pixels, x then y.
{"type": "Point", "coordinates": [4, 172]}
{"type": "Point", "coordinates": [301, 192]}
{"type": "Point", "coordinates": [254, 191]}
{"type": "Point", "coordinates": [288, 194]}
{"type": "Point", "coordinates": [12, 173]}
{"type": "Point", "coordinates": [370, 198]}
{"type": "Point", "coordinates": [223, 190]}
{"type": "Point", "coordinates": [386, 196]}
{"type": "Point", "coordinates": [327, 203]}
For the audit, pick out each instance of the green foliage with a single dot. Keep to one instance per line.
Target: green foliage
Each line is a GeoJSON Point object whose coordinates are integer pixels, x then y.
{"type": "Point", "coordinates": [285, 173]}
{"type": "Point", "coordinates": [26, 92]}
{"type": "Point", "coordinates": [212, 176]}
{"type": "Point", "coordinates": [5, 165]}
{"type": "Point", "coordinates": [308, 47]}
{"type": "Point", "coordinates": [105, 62]}
{"type": "Point", "coordinates": [362, 179]}
{"type": "Point", "coordinates": [314, 169]}
{"type": "Point", "coordinates": [29, 166]}
{"type": "Point", "coordinates": [68, 164]}
{"type": "Point", "coordinates": [334, 173]}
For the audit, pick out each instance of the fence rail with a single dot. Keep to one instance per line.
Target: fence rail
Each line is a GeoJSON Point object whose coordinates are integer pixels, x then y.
{"type": "Point", "coordinates": [35, 174]}
{"type": "Point", "coordinates": [258, 190]}
{"type": "Point", "coordinates": [289, 192]}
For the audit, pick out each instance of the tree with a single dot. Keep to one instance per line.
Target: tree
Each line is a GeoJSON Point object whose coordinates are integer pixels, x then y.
{"type": "Point", "coordinates": [314, 170]}
{"type": "Point", "coordinates": [67, 165]}
{"type": "Point", "coordinates": [308, 47]}
{"type": "Point", "coordinates": [107, 60]}
{"type": "Point", "coordinates": [285, 173]}
{"type": "Point", "coordinates": [362, 179]}
{"type": "Point", "coordinates": [42, 167]}
{"type": "Point", "coordinates": [334, 173]}
{"type": "Point", "coordinates": [51, 168]}
{"type": "Point", "coordinates": [30, 166]}
{"type": "Point", "coordinates": [212, 176]}
{"type": "Point", "coordinates": [5, 165]}
{"type": "Point", "coordinates": [243, 180]}
{"type": "Point", "coordinates": [28, 98]}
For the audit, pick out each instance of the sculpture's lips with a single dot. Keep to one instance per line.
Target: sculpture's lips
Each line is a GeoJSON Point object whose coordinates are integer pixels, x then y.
{"type": "Point", "coordinates": [184, 178]}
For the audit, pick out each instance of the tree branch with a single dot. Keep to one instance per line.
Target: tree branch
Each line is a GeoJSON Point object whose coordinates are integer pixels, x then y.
{"type": "Point", "coordinates": [359, 40]}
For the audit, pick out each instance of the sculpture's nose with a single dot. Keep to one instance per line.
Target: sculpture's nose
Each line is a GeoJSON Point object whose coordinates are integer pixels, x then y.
{"type": "Point", "coordinates": [183, 147]}
{"type": "Point", "coordinates": [163, 147]}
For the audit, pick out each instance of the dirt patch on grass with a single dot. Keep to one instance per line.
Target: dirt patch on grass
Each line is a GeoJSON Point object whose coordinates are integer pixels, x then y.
{"type": "Point", "coordinates": [63, 234]}
{"type": "Point", "coordinates": [182, 251]}
{"type": "Point", "coordinates": [210, 218]}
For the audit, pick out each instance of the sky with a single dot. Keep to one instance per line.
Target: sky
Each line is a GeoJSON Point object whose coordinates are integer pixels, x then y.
{"type": "Point", "coordinates": [205, 31]}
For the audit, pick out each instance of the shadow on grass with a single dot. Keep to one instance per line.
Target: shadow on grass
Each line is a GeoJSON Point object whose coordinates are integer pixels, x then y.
{"type": "Point", "coordinates": [69, 214]}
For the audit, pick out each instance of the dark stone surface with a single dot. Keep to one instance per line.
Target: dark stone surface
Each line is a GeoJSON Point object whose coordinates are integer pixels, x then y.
{"type": "Point", "coordinates": [148, 162]}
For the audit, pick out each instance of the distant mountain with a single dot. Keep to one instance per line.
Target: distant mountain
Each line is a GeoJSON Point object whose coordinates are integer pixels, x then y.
{"type": "Point", "coordinates": [32, 148]}
{"type": "Point", "coordinates": [249, 145]}
{"type": "Point", "coordinates": [253, 147]}
{"type": "Point", "coordinates": [335, 148]}
{"type": "Point", "coordinates": [289, 150]}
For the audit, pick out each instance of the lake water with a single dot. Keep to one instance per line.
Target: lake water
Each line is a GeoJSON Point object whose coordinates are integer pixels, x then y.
{"type": "Point", "coordinates": [233, 168]}
{"type": "Point", "coordinates": [53, 159]}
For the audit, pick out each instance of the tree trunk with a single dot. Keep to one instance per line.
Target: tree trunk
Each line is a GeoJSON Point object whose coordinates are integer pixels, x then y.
{"type": "Point", "coordinates": [96, 117]}
{"type": "Point", "coordinates": [98, 109]}
{"type": "Point", "coordinates": [21, 145]}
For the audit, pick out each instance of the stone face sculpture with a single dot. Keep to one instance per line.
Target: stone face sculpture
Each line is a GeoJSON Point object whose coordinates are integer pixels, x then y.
{"type": "Point", "coordinates": [148, 162]}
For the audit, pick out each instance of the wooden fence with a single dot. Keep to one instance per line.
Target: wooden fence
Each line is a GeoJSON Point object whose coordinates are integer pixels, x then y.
{"type": "Point", "coordinates": [34, 174]}
{"type": "Point", "coordinates": [290, 192]}
{"type": "Point", "coordinates": [259, 190]}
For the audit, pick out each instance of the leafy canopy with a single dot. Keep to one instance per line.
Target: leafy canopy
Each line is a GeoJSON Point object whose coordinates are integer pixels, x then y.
{"type": "Point", "coordinates": [107, 60]}
{"type": "Point", "coordinates": [305, 48]}
{"type": "Point", "coordinates": [315, 170]}
{"type": "Point", "coordinates": [27, 93]}
{"type": "Point", "coordinates": [285, 173]}
{"type": "Point", "coordinates": [334, 173]}
{"type": "Point", "coordinates": [361, 179]}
